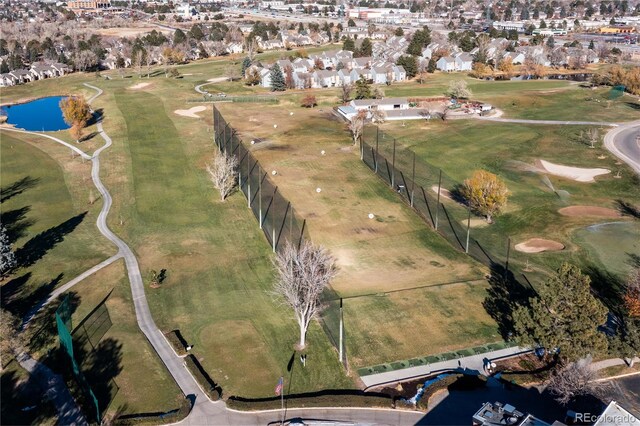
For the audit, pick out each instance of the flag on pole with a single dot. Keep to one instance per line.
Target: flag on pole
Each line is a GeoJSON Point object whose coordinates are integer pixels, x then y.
{"type": "Point", "coordinates": [279, 386]}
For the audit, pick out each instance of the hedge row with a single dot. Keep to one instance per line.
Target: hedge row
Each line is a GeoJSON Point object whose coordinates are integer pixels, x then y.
{"type": "Point", "coordinates": [172, 416]}
{"type": "Point", "coordinates": [210, 387]}
{"type": "Point", "coordinates": [177, 342]}
{"type": "Point", "coordinates": [317, 399]}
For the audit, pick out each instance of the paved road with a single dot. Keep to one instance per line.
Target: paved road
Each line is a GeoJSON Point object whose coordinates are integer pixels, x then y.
{"type": "Point", "coordinates": [624, 143]}
{"type": "Point", "coordinates": [551, 122]}
{"type": "Point", "coordinates": [472, 365]}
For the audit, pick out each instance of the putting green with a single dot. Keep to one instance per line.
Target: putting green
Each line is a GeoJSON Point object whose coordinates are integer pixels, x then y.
{"type": "Point", "coordinates": [612, 243]}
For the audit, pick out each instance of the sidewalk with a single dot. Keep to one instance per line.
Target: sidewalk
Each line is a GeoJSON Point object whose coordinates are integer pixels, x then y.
{"type": "Point", "coordinates": [472, 364]}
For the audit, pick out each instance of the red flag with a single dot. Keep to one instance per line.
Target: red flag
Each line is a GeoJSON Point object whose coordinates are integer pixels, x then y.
{"type": "Point", "coordinates": [279, 386]}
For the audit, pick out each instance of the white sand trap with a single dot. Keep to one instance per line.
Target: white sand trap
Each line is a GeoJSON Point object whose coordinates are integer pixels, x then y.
{"type": "Point", "coordinates": [218, 79]}
{"type": "Point", "coordinates": [139, 86]}
{"type": "Point", "coordinates": [576, 173]}
{"type": "Point", "coordinates": [538, 245]}
{"type": "Point", "coordinates": [443, 192]}
{"type": "Point", "coordinates": [191, 112]}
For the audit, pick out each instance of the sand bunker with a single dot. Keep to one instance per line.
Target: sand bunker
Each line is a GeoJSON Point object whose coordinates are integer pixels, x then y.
{"type": "Point", "coordinates": [443, 192]}
{"type": "Point", "coordinates": [217, 79]}
{"type": "Point", "coordinates": [576, 173]}
{"type": "Point", "coordinates": [191, 112]}
{"type": "Point", "coordinates": [538, 245]}
{"type": "Point", "coordinates": [139, 86]}
{"type": "Point", "coordinates": [578, 211]}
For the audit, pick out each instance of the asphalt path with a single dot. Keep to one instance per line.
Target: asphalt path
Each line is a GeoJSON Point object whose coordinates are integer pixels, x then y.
{"type": "Point", "coordinates": [624, 143]}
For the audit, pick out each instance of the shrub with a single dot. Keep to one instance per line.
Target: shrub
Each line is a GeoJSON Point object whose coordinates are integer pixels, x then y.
{"type": "Point", "coordinates": [330, 398]}
{"type": "Point", "coordinates": [204, 380]}
{"type": "Point", "coordinates": [423, 403]}
{"type": "Point", "coordinates": [309, 101]}
{"type": "Point", "coordinates": [177, 342]}
{"type": "Point", "coordinates": [172, 416]}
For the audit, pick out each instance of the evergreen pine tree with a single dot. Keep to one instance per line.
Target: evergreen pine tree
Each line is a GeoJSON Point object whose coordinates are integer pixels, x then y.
{"type": "Point", "coordinates": [349, 45]}
{"type": "Point", "coordinates": [246, 63]}
{"type": "Point", "coordinates": [564, 315]}
{"type": "Point", "coordinates": [366, 49]}
{"type": "Point", "coordinates": [277, 79]}
{"type": "Point", "coordinates": [7, 256]}
{"type": "Point", "coordinates": [363, 89]}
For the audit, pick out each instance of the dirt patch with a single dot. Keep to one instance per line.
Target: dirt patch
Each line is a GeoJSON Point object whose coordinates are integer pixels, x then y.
{"type": "Point", "coordinates": [575, 173]}
{"type": "Point", "coordinates": [139, 86]}
{"type": "Point", "coordinates": [538, 245]}
{"type": "Point", "coordinates": [592, 211]}
{"type": "Point", "coordinates": [191, 112]}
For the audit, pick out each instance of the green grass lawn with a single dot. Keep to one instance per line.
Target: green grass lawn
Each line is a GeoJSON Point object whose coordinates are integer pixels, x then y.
{"type": "Point", "coordinates": [414, 323]}
{"type": "Point", "coordinates": [49, 220]}
{"type": "Point", "coordinates": [143, 383]}
{"type": "Point", "coordinates": [218, 263]}
{"type": "Point", "coordinates": [459, 147]}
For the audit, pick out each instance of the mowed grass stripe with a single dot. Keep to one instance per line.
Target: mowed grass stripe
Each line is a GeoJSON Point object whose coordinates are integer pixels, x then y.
{"type": "Point", "coordinates": [168, 191]}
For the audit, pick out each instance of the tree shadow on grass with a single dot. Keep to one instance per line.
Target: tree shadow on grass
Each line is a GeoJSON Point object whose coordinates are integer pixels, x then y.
{"type": "Point", "coordinates": [43, 332]}
{"type": "Point", "coordinates": [609, 287]}
{"type": "Point", "coordinates": [627, 209]}
{"type": "Point", "coordinates": [16, 299]}
{"type": "Point", "coordinates": [17, 188]}
{"type": "Point", "coordinates": [16, 223]}
{"type": "Point", "coordinates": [504, 295]}
{"type": "Point", "coordinates": [34, 249]}
{"type": "Point", "coordinates": [633, 105]}
{"type": "Point", "coordinates": [88, 137]}
{"type": "Point", "coordinates": [24, 400]}
{"type": "Point", "coordinates": [96, 117]}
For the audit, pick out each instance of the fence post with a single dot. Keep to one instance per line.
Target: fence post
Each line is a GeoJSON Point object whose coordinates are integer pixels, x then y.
{"type": "Point", "coordinates": [248, 181]}
{"type": "Point", "coordinates": [260, 196]}
{"type": "Point", "coordinates": [393, 166]}
{"type": "Point", "coordinates": [506, 264]}
{"type": "Point", "coordinates": [273, 220]}
{"type": "Point", "coordinates": [376, 156]}
{"type": "Point", "coordinates": [466, 250]}
{"type": "Point", "coordinates": [341, 333]}
{"type": "Point", "coordinates": [438, 202]}
{"type": "Point", "coordinates": [413, 178]}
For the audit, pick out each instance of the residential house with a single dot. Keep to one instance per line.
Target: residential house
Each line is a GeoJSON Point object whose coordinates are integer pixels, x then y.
{"type": "Point", "coordinates": [463, 62]}
{"type": "Point", "coordinates": [379, 75]}
{"type": "Point", "coordinates": [356, 74]}
{"type": "Point", "coordinates": [42, 71]}
{"type": "Point", "coordinates": [326, 78]}
{"type": "Point", "coordinates": [514, 57]}
{"type": "Point", "coordinates": [7, 80]}
{"type": "Point", "coordinates": [384, 104]}
{"type": "Point", "coordinates": [446, 63]}
{"type": "Point", "coordinates": [234, 48]}
{"type": "Point", "coordinates": [345, 76]}
{"type": "Point", "coordinates": [303, 80]}
{"type": "Point", "coordinates": [302, 65]}
{"type": "Point", "coordinates": [22, 76]}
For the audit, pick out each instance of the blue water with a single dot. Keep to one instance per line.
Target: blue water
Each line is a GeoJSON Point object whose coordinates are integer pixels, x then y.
{"type": "Point", "coordinates": [43, 114]}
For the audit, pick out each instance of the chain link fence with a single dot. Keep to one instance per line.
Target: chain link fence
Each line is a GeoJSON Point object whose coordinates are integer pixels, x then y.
{"type": "Point", "coordinates": [424, 187]}
{"type": "Point", "coordinates": [275, 215]}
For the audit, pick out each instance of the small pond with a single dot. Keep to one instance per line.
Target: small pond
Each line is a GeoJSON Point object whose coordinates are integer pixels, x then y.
{"type": "Point", "coordinates": [39, 115]}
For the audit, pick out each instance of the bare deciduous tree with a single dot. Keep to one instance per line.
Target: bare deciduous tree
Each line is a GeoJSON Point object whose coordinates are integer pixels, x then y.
{"type": "Point", "coordinates": [11, 340]}
{"type": "Point", "coordinates": [222, 172]}
{"type": "Point", "coordinates": [345, 95]}
{"type": "Point", "coordinates": [356, 126]}
{"type": "Point", "coordinates": [302, 274]}
{"type": "Point", "coordinates": [378, 115]}
{"type": "Point", "coordinates": [592, 136]}
{"type": "Point", "coordinates": [578, 378]}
